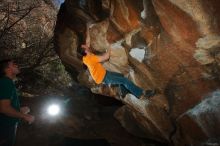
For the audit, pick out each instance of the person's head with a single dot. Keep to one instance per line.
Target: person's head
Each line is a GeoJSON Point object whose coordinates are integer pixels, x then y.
{"type": "Point", "coordinates": [85, 50]}
{"type": "Point", "coordinates": [8, 68]}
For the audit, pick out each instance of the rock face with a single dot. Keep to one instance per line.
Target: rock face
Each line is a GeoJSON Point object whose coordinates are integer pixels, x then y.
{"type": "Point", "coordinates": [171, 45]}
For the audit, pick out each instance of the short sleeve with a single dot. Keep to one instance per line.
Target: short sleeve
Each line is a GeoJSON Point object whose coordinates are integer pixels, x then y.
{"type": "Point", "coordinates": [90, 59]}
{"type": "Point", "coordinates": [6, 90]}
{"type": "Point", "coordinates": [94, 58]}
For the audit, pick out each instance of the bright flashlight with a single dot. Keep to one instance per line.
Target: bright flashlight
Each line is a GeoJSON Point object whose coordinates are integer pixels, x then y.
{"type": "Point", "coordinates": [53, 110]}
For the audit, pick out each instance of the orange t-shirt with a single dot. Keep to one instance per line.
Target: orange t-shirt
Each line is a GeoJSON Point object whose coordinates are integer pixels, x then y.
{"type": "Point", "coordinates": [96, 69]}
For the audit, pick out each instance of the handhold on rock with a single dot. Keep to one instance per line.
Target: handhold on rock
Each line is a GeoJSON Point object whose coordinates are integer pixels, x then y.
{"type": "Point", "coordinates": [147, 94]}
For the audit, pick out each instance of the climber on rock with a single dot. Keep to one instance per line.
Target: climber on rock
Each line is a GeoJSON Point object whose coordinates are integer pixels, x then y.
{"type": "Point", "coordinates": [101, 75]}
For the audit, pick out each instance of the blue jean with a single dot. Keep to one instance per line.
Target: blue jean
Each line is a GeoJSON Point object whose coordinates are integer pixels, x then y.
{"type": "Point", "coordinates": [123, 82]}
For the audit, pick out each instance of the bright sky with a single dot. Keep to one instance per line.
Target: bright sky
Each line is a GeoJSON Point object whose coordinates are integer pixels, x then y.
{"type": "Point", "coordinates": [58, 2]}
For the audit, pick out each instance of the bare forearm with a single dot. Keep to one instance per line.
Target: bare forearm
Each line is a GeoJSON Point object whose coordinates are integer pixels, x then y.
{"type": "Point", "coordinates": [87, 36]}
{"type": "Point", "coordinates": [11, 112]}
{"type": "Point", "coordinates": [105, 56]}
{"type": "Point", "coordinates": [7, 109]}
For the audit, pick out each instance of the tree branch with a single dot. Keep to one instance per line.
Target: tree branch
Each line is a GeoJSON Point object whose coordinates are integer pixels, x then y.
{"type": "Point", "coordinates": [13, 24]}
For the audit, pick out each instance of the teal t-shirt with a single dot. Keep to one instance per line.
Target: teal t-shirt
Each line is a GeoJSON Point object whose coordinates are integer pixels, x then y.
{"type": "Point", "coordinates": [8, 91]}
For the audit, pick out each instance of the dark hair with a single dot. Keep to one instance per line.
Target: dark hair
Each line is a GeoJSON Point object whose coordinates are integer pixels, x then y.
{"type": "Point", "coordinates": [80, 52]}
{"type": "Point", "coordinates": [3, 65]}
